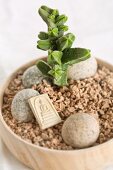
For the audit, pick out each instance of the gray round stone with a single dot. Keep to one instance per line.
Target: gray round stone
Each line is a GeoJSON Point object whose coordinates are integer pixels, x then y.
{"type": "Point", "coordinates": [20, 108]}
{"type": "Point", "coordinates": [80, 130]}
{"type": "Point", "coordinates": [32, 76]}
{"type": "Point", "coordinates": [82, 70]}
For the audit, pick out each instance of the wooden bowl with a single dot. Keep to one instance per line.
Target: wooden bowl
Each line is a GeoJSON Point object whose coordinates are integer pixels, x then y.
{"type": "Point", "coordinates": [38, 158]}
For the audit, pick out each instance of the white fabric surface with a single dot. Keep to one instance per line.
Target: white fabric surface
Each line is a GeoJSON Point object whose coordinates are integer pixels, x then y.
{"type": "Point", "coordinates": [90, 20]}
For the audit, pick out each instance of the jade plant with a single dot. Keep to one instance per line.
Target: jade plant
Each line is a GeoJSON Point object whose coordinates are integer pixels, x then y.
{"type": "Point", "coordinates": [58, 44]}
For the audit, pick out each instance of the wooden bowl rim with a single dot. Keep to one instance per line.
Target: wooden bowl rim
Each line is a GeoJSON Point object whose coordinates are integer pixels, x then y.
{"type": "Point", "coordinates": [2, 90]}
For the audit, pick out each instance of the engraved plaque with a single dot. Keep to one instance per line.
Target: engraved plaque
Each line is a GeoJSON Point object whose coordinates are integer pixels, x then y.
{"type": "Point", "coordinates": [44, 111]}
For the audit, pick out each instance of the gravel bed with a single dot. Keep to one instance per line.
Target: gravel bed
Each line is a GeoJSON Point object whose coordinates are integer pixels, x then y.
{"type": "Point", "coordinates": [92, 95]}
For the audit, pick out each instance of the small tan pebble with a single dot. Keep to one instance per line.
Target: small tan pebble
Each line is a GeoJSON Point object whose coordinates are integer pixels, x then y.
{"type": "Point", "coordinates": [110, 81]}
{"type": "Point", "coordinates": [44, 136]}
{"type": "Point", "coordinates": [83, 70]}
{"type": "Point", "coordinates": [80, 130]}
{"type": "Point", "coordinates": [71, 109]}
{"type": "Point", "coordinates": [101, 112]}
{"type": "Point", "coordinates": [55, 141]}
{"type": "Point", "coordinates": [32, 76]}
{"type": "Point", "coordinates": [20, 109]}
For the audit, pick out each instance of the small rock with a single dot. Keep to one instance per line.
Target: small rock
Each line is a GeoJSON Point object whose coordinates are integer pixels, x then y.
{"type": "Point", "coordinates": [83, 70]}
{"type": "Point", "coordinates": [80, 130]}
{"type": "Point", "coordinates": [71, 109]}
{"type": "Point", "coordinates": [110, 81]}
{"type": "Point", "coordinates": [32, 76]}
{"type": "Point", "coordinates": [20, 108]}
{"type": "Point", "coordinates": [55, 141]}
{"type": "Point", "coordinates": [44, 136]}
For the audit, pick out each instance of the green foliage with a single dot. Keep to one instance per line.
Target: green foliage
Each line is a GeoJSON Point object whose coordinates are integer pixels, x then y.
{"type": "Point", "coordinates": [44, 44]}
{"type": "Point", "coordinates": [43, 67]}
{"type": "Point", "coordinates": [43, 36]}
{"type": "Point", "coordinates": [61, 19]}
{"type": "Point", "coordinates": [59, 72]}
{"type": "Point", "coordinates": [53, 33]}
{"type": "Point", "coordinates": [65, 41]}
{"type": "Point", "coordinates": [54, 57]}
{"type": "Point", "coordinates": [58, 44]}
{"type": "Point", "coordinates": [75, 55]}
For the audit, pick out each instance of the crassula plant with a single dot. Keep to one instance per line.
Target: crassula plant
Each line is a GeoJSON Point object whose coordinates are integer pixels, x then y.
{"type": "Point", "coordinates": [58, 44]}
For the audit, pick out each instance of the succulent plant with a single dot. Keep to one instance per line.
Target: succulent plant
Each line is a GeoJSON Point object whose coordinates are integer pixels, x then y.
{"type": "Point", "coordinates": [58, 45]}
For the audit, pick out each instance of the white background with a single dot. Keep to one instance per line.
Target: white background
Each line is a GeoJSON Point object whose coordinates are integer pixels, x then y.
{"type": "Point", "coordinates": [90, 20]}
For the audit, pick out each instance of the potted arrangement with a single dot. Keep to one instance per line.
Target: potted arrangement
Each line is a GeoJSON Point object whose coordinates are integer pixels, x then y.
{"type": "Point", "coordinates": [57, 112]}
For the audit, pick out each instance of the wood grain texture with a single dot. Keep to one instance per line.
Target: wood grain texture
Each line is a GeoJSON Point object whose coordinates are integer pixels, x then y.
{"type": "Point", "coordinates": [38, 158]}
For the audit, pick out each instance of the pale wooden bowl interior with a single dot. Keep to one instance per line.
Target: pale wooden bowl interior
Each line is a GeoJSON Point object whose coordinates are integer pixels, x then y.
{"type": "Point", "coordinates": [38, 158]}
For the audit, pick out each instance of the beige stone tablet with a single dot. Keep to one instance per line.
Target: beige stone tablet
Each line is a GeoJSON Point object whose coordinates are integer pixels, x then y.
{"type": "Point", "coordinates": [44, 111]}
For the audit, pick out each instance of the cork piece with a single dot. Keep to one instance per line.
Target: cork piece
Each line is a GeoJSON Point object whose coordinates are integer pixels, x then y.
{"type": "Point", "coordinates": [44, 111]}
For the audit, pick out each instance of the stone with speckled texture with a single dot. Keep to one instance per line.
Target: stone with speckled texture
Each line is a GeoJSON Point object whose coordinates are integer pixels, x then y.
{"type": "Point", "coordinates": [32, 76]}
{"type": "Point", "coordinates": [80, 130]}
{"type": "Point", "coordinates": [20, 108]}
{"type": "Point", "coordinates": [83, 70]}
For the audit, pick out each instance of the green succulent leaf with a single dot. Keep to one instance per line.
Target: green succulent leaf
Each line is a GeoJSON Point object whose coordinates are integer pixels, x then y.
{"type": "Point", "coordinates": [54, 57]}
{"type": "Point", "coordinates": [43, 35]}
{"type": "Point", "coordinates": [47, 9]}
{"type": "Point", "coordinates": [61, 19]}
{"type": "Point", "coordinates": [55, 12]}
{"type": "Point", "coordinates": [43, 67]}
{"type": "Point", "coordinates": [43, 13]}
{"type": "Point", "coordinates": [48, 15]}
{"type": "Point", "coordinates": [75, 55]}
{"type": "Point", "coordinates": [53, 32]}
{"type": "Point", "coordinates": [65, 41]}
{"type": "Point", "coordinates": [61, 81]}
{"type": "Point", "coordinates": [62, 43]}
{"type": "Point", "coordinates": [63, 28]}
{"type": "Point", "coordinates": [50, 23]}
{"type": "Point", "coordinates": [71, 38]}
{"type": "Point", "coordinates": [56, 71]}
{"type": "Point", "coordinates": [44, 44]}
{"type": "Point", "coordinates": [52, 17]}
{"type": "Point", "coordinates": [59, 74]}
